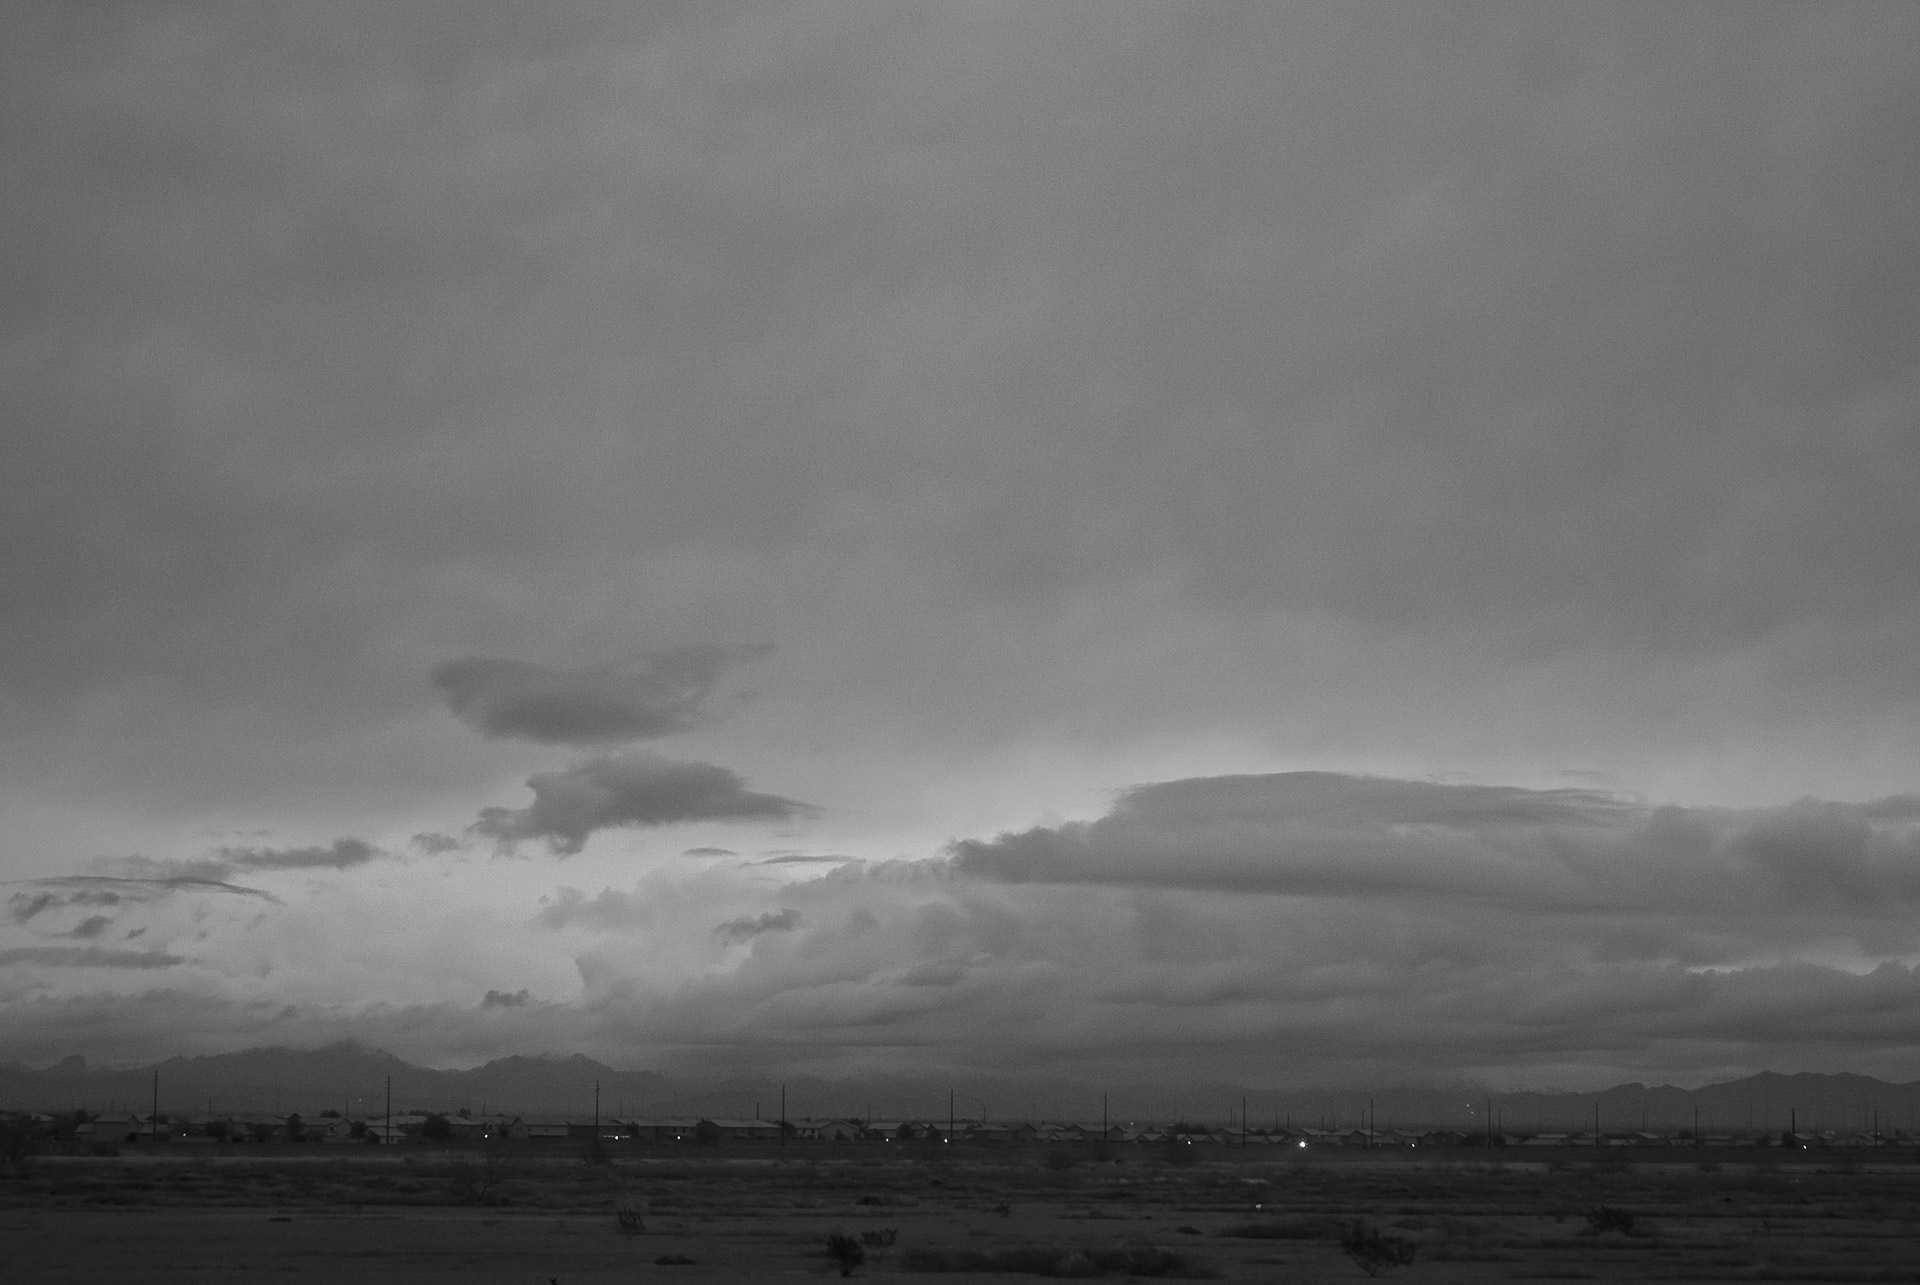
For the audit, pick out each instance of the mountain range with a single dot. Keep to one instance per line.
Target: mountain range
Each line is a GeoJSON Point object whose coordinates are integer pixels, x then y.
{"type": "Point", "coordinates": [354, 1079]}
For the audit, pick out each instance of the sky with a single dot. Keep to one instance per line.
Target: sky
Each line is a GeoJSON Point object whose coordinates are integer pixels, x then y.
{"type": "Point", "coordinates": [1309, 543]}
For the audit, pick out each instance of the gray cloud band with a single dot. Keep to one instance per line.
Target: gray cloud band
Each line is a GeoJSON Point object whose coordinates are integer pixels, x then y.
{"type": "Point", "coordinates": [1326, 835]}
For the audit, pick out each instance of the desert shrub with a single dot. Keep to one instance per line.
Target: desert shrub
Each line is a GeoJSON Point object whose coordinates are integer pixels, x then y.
{"type": "Point", "coordinates": [673, 1260]}
{"type": "Point", "coordinates": [436, 1128]}
{"type": "Point", "coordinates": [1288, 1229]}
{"type": "Point", "coordinates": [845, 1252]}
{"type": "Point", "coordinates": [1058, 1158]}
{"type": "Point", "coordinates": [628, 1219]}
{"type": "Point", "coordinates": [1055, 1261]}
{"type": "Point", "coordinates": [879, 1237]}
{"type": "Point", "coordinates": [1373, 1252]}
{"type": "Point", "coordinates": [1606, 1218]}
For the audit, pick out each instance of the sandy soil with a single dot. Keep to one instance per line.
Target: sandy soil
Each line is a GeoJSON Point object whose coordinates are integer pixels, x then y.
{"type": "Point", "coordinates": [371, 1220]}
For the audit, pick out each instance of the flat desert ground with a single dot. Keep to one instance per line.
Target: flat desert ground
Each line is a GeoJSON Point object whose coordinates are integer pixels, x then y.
{"type": "Point", "coordinates": [952, 1215]}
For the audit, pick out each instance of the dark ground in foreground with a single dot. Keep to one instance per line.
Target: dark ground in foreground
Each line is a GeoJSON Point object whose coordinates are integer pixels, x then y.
{"type": "Point", "coordinates": [372, 1219]}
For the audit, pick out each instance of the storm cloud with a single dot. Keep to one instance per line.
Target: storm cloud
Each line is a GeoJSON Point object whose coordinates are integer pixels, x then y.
{"type": "Point", "coordinates": [634, 789]}
{"type": "Point", "coordinates": [1319, 834]}
{"type": "Point", "coordinates": [640, 699]}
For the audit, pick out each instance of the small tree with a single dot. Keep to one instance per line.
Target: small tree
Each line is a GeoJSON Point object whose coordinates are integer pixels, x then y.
{"type": "Point", "coordinates": [904, 1133]}
{"type": "Point", "coordinates": [436, 1128]}
{"type": "Point", "coordinates": [707, 1133]}
{"type": "Point", "coordinates": [16, 1142]}
{"type": "Point", "coordinates": [296, 1128]}
{"type": "Point", "coordinates": [475, 1179]}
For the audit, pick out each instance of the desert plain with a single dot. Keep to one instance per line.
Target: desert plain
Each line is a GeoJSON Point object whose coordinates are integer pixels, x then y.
{"type": "Point", "coordinates": [952, 1214]}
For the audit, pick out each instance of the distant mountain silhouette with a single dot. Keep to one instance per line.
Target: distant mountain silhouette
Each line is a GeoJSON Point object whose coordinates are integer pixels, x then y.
{"type": "Point", "coordinates": [352, 1077]}
{"type": "Point", "coordinates": [347, 1077]}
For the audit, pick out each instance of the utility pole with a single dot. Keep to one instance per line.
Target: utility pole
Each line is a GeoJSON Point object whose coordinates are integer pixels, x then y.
{"type": "Point", "coordinates": [949, 1115]}
{"type": "Point", "coordinates": [1489, 1122]}
{"type": "Point", "coordinates": [783, 1116]}
{"type": "Point", "coordinates": [1243, 1122]}
{"type": "Point", "coordinates": [156, 1104]}
{"type": "Point", "coordinates": [1596, 1122]}
{"type": "Point", "coordinates": [389, 1110]}
{"type": "Point", "coordinates": [1697, 1141]}
{"type": "Point", "coordinates": [596, 1114]}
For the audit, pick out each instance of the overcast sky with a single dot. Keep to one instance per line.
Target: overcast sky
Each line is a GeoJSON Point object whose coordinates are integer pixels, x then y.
{"type": "Point", "coordinates": [1298, 541]}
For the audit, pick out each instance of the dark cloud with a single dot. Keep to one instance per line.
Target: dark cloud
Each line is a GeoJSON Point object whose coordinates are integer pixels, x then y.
{"type": "Point", "coordinates": [747, 928]}
{"type": "Point", "coordinates": [435, 844]}
{"type": "Point", "coordinates": [504, 999]}
{"type": "Point", "coordinates": [91, 926]}
{"type": "Point", "coordinates": [650, 696]}
{"type": "Point", "coordinates": [1327, 835]}
{"type": "Point", "coordinates": [25, 906]}
{"type": "Point", "coordinates": [630, 790]}
{"type": "Point", "coordinates": [709, 852]}
{"type": "Point", "coordinates": [87, 957]}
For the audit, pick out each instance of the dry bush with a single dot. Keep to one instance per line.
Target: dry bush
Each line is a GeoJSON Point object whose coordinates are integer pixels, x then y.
{"type": "Point", "coordinates": [1325, 1228]}
{"type": "Point", "coordinates": [476, 1180]}
{"type": "Point", "coordinates": [844, 1252]}
{"type": "Point", "coordinates": [1374, 1252]}
{"type": "Point", "coordinates": [1606, 1218]}
{"type": "Point", "coordinates": [1057, 1261]}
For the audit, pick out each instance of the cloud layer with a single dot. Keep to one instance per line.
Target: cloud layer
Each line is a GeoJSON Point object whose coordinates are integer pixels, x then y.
{"type": "Point", "coordinates": [1075, 395]}
{"type": "Point", "coordinates": [1281, 929]}
{"type": "Point", "coordinates": [633, 789]}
